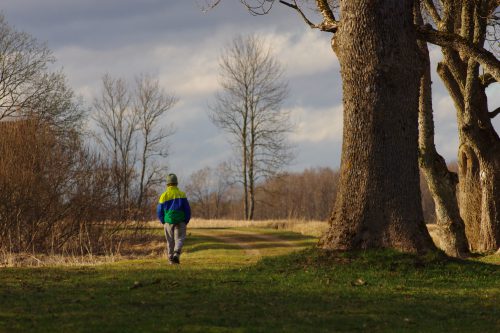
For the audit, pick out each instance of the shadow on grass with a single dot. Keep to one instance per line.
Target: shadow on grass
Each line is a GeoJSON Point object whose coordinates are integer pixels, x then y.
{"type": "Point", "coordinates": [309, 291]}
{"type": "Point", "coordinates": [257, 245]}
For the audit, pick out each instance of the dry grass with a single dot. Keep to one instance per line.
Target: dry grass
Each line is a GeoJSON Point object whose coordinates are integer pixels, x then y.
{"type": "Point", "coordinates": [40, 260]}
{"type": "Point", "coordinates": [309, 228]}
{"type": "Point", "coordinates": [126, 246]}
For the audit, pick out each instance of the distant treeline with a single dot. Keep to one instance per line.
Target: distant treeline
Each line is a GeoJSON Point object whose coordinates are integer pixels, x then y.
{"type": "Point", "coordinates": [306, 195]}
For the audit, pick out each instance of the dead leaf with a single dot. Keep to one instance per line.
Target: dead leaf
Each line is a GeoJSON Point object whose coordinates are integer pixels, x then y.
{"type": "Point", "coordinates": [359, 282]}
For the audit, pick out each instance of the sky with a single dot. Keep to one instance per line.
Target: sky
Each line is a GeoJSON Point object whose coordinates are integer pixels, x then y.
{"type": "Point", "coordinates": [178, 43]}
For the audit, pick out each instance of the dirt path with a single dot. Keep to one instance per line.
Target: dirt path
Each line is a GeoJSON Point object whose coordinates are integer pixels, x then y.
{"type": "Point", "coordinates": [225, 238]}
{"type": "Point", "coordinates": [249, 241]}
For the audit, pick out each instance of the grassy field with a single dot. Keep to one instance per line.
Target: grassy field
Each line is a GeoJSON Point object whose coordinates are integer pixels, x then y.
{"type": "Point", "coordinates": [256, 280]}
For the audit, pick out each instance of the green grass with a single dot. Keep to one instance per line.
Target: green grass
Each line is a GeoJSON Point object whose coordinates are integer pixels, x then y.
{"type": "Point", "coordinates": [219, 288]}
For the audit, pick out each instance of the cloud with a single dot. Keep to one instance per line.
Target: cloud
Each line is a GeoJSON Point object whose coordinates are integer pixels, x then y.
{"type": "Point", "coordinates": [316, 125]}
{"type": "Point", "coordinates": [192, 73]}
{"type": "Point", "coordinates": [444, 110]}
{"type": "Point", "coordinates": [84, 67]}
{"type": "Point", "coordinates": [305, 53]}
{"type": "Point", "coordinates": [196, 70]}
{"type": "Point", "coordinates": [435, 53]}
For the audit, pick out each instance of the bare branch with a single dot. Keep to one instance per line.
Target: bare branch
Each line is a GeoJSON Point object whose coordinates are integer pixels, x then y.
{"type": "Point", "coordinates": [258, 7]}
{"type": "Point", "coordinates": [326, 11]}
{"type": "Point", "coordinates": [295, 7]}
{"type": "Point", "coordinates": [208, 6]}
{"type": "Point", "coordinates": [27, 87]}
{"type": "Point", "coordinates": [151, 103]}
{"type": "Point", "coordinates": [249, 109]}
{"type": "Point", "coordinates": [432, 10]}
{"type": "Point", "coordinates": [487, 79]}
{"type": "Point", "coordinates": [493, 114]}
{"type": "Point", "coordinates": [485, 58]}
{"type": "Point", "coordinates": [330, 25]}
{"type": "Point", "coordinates": [452, 86]}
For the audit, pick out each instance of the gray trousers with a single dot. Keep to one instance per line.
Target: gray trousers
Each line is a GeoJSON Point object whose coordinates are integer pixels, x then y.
{"type": "Point", "coordinates": [175, 235]}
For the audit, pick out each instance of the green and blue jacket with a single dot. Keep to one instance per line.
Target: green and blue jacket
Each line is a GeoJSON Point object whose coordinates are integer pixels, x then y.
{"type": "Point", "coordinates": [173, 206]}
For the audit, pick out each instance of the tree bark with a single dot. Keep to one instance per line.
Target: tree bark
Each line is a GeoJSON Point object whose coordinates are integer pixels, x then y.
{"type": "Point", "coordinates": [378, 204]}
{"type": "Point", "coordinates": [441, 182]}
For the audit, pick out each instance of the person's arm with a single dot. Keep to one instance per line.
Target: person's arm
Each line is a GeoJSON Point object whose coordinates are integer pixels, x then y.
{"type": "Point", "coordinates": [187, 211]}
{"type": "Point", "coordinates": [160, 212]}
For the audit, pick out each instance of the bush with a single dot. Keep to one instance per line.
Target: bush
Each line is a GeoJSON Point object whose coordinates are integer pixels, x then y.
{"type": "Point", "coordinates": [53, 192]}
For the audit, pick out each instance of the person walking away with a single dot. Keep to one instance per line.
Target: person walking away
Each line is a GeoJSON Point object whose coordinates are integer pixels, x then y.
{"type": "Point", "coordinates": [174, 213]}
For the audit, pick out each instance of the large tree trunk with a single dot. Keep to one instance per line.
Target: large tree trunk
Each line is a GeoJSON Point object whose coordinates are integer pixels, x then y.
{"type": "Point", "coordinates": [479, 187]}
{"type": "Point", "coordinates": [479, 199]}
{"type": "Point", "coordinates": [378, 204]}
{"type": "Point", "coordinates": [479, 167]}
{"type": "Point", "coordinates": [442, 183]}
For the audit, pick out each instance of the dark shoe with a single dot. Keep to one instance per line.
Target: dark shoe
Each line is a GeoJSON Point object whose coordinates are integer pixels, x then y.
{"type": "Point", "coordinates": [175, 259]}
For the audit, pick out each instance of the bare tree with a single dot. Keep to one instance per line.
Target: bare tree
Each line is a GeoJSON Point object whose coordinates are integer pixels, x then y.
{"type": "Point", "coordinates": [118, 124]}
{"type": "Point", "coordinates": [28, 88]}
{"type": "Point", "coordinates": [249, 109]}
{"type": "Point", "coordinates": [23, 70]}
{"type": "Point", "coordinates": [59, 107]}
{"type": "Point", "coordinates": [151, 104]}
{"type": "Point", "coordinates": [462, 30]}
{"type": "Point", "coordinates": [133, 133]}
